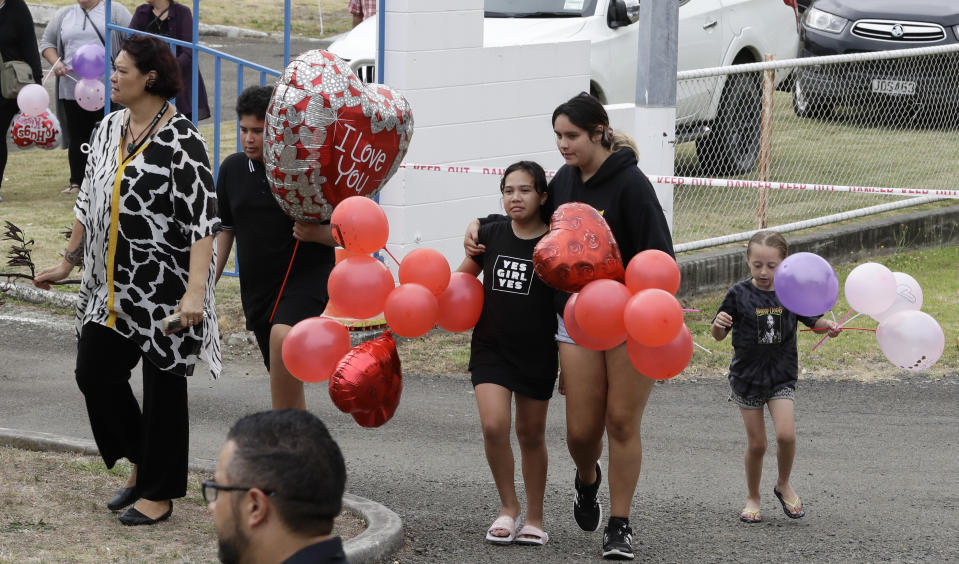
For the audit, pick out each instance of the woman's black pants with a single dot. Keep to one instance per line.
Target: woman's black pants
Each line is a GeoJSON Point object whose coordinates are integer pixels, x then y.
{"type": "Point", "coordinates": [157, 439]}
{"type": "Point", "coordinates": [81, 124]}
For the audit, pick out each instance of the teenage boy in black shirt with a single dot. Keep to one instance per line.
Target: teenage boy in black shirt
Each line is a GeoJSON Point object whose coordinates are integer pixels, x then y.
{"type": "Point", "coordinates": [265, 237]}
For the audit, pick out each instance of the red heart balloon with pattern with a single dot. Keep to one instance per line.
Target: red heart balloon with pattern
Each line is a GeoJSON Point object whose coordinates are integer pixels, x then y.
{"type": "Point", "coordinates": [329, 136]}
{"type": "Point", "coordinates": [578, 249]}
{"type": "Point", "coordinates": [368, 381]}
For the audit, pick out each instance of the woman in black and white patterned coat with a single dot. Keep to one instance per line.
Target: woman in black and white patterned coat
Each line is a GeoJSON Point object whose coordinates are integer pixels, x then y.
{"type": "Point", "coordinates": [146, 216]}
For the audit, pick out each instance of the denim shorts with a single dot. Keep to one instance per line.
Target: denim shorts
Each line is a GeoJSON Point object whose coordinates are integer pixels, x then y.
{"type": "Point", "coordinates": [561, 335]}
{"type": "Point", "coordinates": [759, 402]}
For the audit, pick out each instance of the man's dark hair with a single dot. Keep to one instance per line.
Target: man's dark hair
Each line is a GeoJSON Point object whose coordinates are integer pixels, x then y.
{"type": "Point", "coordinates": [254, 101]}
{"type": "Point", "coordinates": [291, 453]}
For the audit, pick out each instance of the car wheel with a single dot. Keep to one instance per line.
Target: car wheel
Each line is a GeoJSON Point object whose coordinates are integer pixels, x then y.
{"type": "Point", "coordinates": [806, 105]}
{"type": "Point", "coordinates": [732, 146]}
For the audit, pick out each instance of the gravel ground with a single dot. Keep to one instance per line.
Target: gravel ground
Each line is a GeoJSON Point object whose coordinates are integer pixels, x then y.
{"type": "Point", "coordinates": [876, 463]}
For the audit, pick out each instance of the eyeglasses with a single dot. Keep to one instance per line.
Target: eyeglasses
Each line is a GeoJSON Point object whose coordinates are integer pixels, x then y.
{"type": "Point", "coordinates": [212, 489]}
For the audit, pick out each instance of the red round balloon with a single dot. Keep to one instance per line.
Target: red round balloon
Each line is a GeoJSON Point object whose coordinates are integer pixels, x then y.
{"type": "Point", "coordinates": [358, 286]}
{"type": "Point", "coordinates": [368, 381]}
{"type": "Point", "coordinates": [461, 303]}
{"type": "Point", "coordinates": [578, 249]}
{"type": "Point", "coordinates": [652, 268]}
{"type": "Point", "coordinates": [653, 317]}
{"type": "Point", "coordinates": [599, 310]}
{"type": "Point", "coordinates": [411, 310]}
{"type": "Point", "coordinates": [661, 363]}
{"type": "Point", "coordinates": [359, 224]}
{"type": "Point", "coordinates": [427, 267]}
{"type": "Point", "coordinates": [313, 347]}
{"type": "Point", "coordinates": [582, 338]}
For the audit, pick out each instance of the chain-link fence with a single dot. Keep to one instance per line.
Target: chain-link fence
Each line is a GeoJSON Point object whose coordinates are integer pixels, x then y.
{"type": "Point", "coordinates": [886, 119]}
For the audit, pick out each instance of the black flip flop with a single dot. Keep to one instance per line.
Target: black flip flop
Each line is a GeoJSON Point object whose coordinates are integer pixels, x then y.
{"type": "Point", "coordinates": [802, 508]}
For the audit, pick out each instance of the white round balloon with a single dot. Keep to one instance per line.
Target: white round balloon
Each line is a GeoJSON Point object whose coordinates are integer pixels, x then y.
{"type": "Point", "coordinates": [912, 340]}
{"type": "Point", "coordinates": [908, 297]}
{"type": "Point", "coordinates": [870, 288]}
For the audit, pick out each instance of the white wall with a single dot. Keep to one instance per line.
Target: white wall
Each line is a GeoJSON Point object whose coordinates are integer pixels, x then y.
{"type": "Point", "coordinates": [472, 106]}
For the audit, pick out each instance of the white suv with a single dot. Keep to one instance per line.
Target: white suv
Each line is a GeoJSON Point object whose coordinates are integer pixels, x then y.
{"type": "Point", "coordinates": [712, 33]}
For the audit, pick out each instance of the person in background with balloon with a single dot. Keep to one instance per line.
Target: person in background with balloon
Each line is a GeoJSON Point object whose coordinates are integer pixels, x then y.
{"type": "Point", "coordinates": [765, 367]}
{"type": "Point", "coordinates": [266, 236]}
{"type": "Point", "coordinates": [17, 43]}
{"type": "Point", "coordinates": [170, 19]}
{"type": "Point", "coordinates": [604, 392]}
{"type": "Point", "coordinates": [146, 216]}
{"type": "Point", "coordinates": [513, 350]}
{"type": "Point", "coordinates": [70, 29]}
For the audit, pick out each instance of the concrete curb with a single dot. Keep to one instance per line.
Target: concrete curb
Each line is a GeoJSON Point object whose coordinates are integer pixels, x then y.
{"type": "Point", "coordinates": [384, 529]}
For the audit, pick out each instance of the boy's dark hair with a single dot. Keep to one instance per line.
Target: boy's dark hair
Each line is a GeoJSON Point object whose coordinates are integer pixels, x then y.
{"type": "Point", "coordinates": [539, 181]}
{"type": "Point", "coordinates": [254, 101]}
{"type": "Point", "coordinates": [291, 453]}
{"type": "Point", "coordinates": [769, 239]}
{"type": "Point", "coordinates": [152, 54]}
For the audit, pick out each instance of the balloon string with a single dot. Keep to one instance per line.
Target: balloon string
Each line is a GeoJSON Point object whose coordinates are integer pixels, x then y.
{"type": "Point", "coordinates": [841, 321]}
{"type": "Point", "coordinates": [287, 275]}
{"type": "Point", "coordinates": [391, 256]}
{"type": "Point", "coordinates": [702, 347]}
{"type": "Point", "coordinates": [844, 329]}
{"type": "Point", "coordinates": [694, 310]}
{"type": "Point", "coordinates": [49, 72]}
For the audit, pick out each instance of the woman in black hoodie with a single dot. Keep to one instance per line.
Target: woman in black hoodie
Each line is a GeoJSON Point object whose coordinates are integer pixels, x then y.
{"type": "Point", "coordinates": [603, 390]}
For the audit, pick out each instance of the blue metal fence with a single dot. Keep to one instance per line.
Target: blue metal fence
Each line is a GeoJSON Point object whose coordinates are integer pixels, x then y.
{"type": "Point", "coordinates": [219, 57]}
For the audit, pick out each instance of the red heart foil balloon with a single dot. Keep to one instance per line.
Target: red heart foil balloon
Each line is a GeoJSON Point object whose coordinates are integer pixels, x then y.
{"type": "Point", "coordinates": [578, 249]}
{"type": "Point", "coordinates": [41, 130]}
{"type": "Point", "coordinates": [329, 136]}
{"type": "Point", "coordinates": [368, 381]}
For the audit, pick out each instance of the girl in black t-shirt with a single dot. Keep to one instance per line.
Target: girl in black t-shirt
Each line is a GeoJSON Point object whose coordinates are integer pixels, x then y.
{"type": "Point", "coordinates": [765, 367]}
{"type": "Point", "coordinates": [513, 351]}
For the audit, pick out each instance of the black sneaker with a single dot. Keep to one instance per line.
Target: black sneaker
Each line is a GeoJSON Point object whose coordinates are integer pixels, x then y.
{"type": "Point", "coordinates": [586, 509]}
{"type": "Point", "coordinates": [617, 540]}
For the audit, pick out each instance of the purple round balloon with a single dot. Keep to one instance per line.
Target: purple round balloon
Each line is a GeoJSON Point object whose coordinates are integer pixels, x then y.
{"type": "Point", "coordinates": [88, 61]}
{"type": "Point", "coordinates": [806, 284]}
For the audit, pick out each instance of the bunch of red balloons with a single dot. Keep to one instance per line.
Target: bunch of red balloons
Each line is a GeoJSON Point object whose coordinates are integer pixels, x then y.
{"type": "Point", "coordinates": [362, 287]}
{"type": "Point", "coordinates": [644, 312]}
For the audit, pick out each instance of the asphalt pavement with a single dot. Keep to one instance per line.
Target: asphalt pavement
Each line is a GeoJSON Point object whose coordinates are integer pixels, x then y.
{"type": "Point", "coordinates": [876, 464]}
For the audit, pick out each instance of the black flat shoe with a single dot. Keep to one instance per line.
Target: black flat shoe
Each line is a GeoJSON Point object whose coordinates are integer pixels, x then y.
{"type": "Point", "coordinates": [132, 517]}
{"type": "Point", "coordinates": [123, 498]}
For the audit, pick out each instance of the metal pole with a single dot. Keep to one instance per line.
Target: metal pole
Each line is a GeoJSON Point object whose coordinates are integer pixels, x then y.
{"type": "Point", "coordinates": [765, 144]}
{"type": "Point", "coordinates": [655, 118]}
{"type": "Point", "coordinates": [107, 57]}
{"type": "Point", "coordinates": [658, 38]}
{"type": "Point", "coordinates": [286, 33]}
{"type": "Point", "coordinates": [195, 65]}
{"type": "Point", "coordinates": [381, 42]}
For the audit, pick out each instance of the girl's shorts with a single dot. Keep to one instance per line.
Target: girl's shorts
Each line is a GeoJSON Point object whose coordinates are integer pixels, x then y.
{"type": "Point", "coordinates": [759, 402]}
{"type": "Point", "coordinates": [561, 335]}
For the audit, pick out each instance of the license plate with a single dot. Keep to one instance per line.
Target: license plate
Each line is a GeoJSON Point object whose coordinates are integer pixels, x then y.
{"type": "Point", "coordinates": [893, 87]}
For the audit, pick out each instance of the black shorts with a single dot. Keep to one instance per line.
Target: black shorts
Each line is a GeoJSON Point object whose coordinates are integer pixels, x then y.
{"type": "Point", "coordinates": [533, 388]}
{"type": "Point", "coordinates": [293, 308]}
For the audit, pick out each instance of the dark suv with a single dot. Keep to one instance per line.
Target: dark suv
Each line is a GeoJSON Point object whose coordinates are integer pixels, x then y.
{"type": "Point", "coordinates": [833, 27]}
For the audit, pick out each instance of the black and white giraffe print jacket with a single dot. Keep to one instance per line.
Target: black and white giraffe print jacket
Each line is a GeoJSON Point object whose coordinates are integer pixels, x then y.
{"type": "Point", "coordinates": [140, 219]}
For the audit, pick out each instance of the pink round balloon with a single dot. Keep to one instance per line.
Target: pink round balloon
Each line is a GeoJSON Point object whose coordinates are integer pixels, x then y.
{"type": "Point", "coordinates": [89, 93]}
{"type": "Point", "coordinates": [32, 100]}
{"type": "Point", "coordinates": [908, 297]}
{"type": "Point", "coordinates": [870, 288]}
{"type": "Point", "coordinates": [912, 340]}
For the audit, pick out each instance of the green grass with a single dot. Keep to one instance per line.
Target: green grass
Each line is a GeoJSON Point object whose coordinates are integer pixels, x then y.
{"type": "Point", "coordinates": [852, 150]}
{"type": "Point", "coordinates": [265, 15]}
